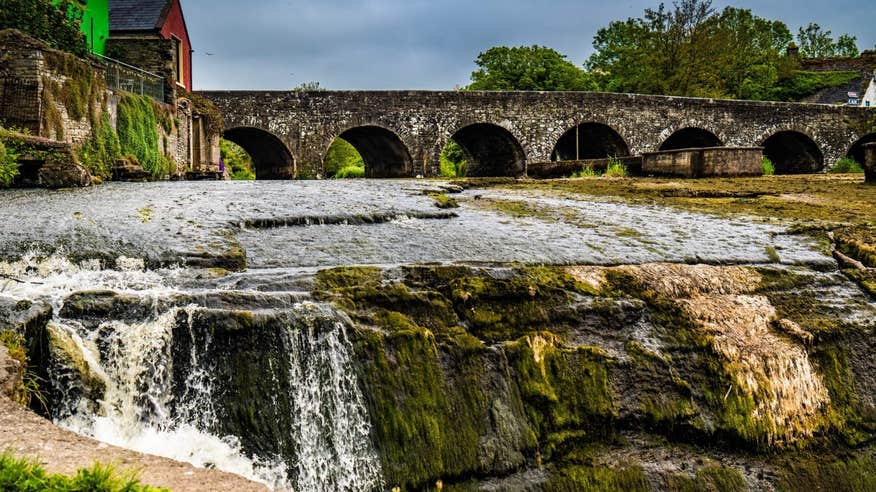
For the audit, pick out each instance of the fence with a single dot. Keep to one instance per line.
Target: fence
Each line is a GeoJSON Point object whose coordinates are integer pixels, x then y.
{"type": "Point", "coordinates": [123, 77]}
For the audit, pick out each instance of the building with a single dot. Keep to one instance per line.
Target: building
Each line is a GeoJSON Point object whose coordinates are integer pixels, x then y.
{"type": "Point", "coordinates": [93, 16]}
{"type": "Point", "coordinates": [152, 35]}
{"type": "Point", "coordinates": [869, 99]}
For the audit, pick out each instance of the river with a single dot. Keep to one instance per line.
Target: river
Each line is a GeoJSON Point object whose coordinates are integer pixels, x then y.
{"type": "Point", "coordinates": [140, 276]}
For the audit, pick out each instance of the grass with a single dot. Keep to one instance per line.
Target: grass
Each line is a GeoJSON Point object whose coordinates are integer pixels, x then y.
{"type": "Point", "coordinates": [614, 169]}
{"type": "Point", "coordinates": [23, 475]}
{"type": "Point", "coordinates": [28, 388]}
{"type": "Point", "coordinates": [586, 172]}
{"type": "Point", "coordinates": [351, 172]}
{"type": "Point", "coordinates": [444, 201]}
{"type": "Point", "coordinates": [769, 169]}
{"type": "Point", "coordinates": [847, 165]}
{"type": "Point", "coordinates": [100, 151]}
{"type": "Point", "coordinates": [137, 129]}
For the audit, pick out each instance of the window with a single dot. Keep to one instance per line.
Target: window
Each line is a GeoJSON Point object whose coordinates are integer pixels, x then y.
{"type": "Point", "coordinates": [180, 62]}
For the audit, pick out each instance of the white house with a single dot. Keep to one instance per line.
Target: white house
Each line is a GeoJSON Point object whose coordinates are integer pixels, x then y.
{"type": "Point", "coordinates": [869, 99]}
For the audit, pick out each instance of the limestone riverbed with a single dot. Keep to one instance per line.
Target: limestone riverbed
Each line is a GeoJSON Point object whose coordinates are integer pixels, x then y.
{"type": "Point", "coordinates": [351, 335]}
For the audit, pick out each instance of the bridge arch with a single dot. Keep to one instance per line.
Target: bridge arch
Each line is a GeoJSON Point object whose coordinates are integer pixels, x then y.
{"type": "Point", "coordinates": [590, 140]}
{"type": "Point", "coordinates": [793, 152]}
{"type": "Point", "coordinates": [385, 154]}
{"type": "Point", "coordinates": [270, 156]}
{"type": "Point", "coordinates": [691, 137]}
{"type": "Point", "coordinates": [490, 150]}
{"type": "Point", "coordinates": [856, 151]}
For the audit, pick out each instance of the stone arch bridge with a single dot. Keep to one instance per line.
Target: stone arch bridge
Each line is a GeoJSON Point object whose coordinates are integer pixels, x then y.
{"type": "Point", "coordinates": [401, 133]}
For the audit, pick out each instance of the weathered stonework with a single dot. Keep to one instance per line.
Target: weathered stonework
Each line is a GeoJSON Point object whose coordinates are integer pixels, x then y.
{"type": "Point", "coordinates": [35, 85]}
{"type": "Point", "coordinates": [525, 124]}
{"type": "Point", "coordinates": [559, 169]}
{"type": "Point", "coordinates": [148, 53]}
{"type": "Point", "coordinates": [702, 163]}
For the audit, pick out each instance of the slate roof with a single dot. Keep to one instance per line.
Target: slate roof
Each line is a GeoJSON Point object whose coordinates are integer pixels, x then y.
{"type": "Point", "coordinates": [137, 15]}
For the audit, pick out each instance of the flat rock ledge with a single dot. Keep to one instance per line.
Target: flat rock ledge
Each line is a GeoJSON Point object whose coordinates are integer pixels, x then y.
{"type": "Point", "coordinates": [25, 434]}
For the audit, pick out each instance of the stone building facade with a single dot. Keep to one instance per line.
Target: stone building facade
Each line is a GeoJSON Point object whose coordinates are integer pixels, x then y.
{"type": "Point", "coordinates": [56, 96]}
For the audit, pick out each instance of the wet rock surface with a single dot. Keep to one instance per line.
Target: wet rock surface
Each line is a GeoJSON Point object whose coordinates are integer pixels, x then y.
{"type": "Point", "coordinates": [354, 336]}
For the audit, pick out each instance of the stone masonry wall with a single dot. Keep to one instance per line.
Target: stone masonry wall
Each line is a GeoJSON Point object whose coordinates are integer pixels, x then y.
{"type": "Point", "coordinates": [33, 87]}
{"type": "Point", "coordinates": [707, 162]}
{"type": "Point", "coordinates": [149, 53]}
{"type": "Point", "coordinates": [307, 122]}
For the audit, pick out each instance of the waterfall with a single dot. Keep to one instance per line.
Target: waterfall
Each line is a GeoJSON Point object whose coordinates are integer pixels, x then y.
{"type": "Point", "coordinates": [332, 427]}
{"type": "Point", "coordinates": [135, 405]}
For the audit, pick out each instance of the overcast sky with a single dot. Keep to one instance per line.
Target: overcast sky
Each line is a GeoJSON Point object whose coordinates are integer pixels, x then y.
{"type": "Point", "coordinates": [425, 44]}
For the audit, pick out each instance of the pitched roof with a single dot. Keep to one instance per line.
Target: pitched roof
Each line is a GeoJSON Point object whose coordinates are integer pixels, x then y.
{"type": "Point", "coordinates": [138, 15]}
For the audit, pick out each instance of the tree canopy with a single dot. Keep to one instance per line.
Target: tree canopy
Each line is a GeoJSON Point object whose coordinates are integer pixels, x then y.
{"type": "Point", "coordinates": [688, 49]}
{"type": "Point", "coordinates": [52, 22]}
{"type": "Point", "coordinates": [691, 50]}
{"type": "Point", "coordinates": [814, 42]}
{"type": "Point", "coordinates": [527, 68]}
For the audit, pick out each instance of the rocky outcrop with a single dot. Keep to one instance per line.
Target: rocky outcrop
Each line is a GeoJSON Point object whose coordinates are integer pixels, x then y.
{"type": "Point", "coordinates": [503, 373]}
{"type": "Point", "coordinates": [11, 375]}
{"type": "Point", "coordinates": [646, 377]}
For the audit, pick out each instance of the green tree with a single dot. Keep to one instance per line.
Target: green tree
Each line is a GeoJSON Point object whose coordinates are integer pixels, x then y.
{"type": "Point", "coordinates": [341, 155]}
{"type": "Point", "coordinates": [237, 161]}
{"type": "Point", "coordinates": [691, 50]}
{"type": "Point", "coordinates": [527, 68]}
{"type": "Point", "coordinates": [846, 46]}
{"type": "Point", "coordinates": [49, 21]}
{"type": "Point", "coordinates": [816, 42]}
{"type": "Point", "coordinates": [452, 160]}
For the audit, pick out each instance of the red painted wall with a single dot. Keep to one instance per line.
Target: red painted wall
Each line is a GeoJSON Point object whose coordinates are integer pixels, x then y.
{"type": "Point", "coordinates": [175, 25]}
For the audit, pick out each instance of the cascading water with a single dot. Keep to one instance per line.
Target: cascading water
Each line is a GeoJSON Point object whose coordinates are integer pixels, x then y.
{"type": "Point", "coordinates": [117, 380]}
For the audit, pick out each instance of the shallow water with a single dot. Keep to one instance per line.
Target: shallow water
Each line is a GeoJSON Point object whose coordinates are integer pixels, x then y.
{"type": "Point", "coordinates": [172, 223]}
{"type": "Point", "coordinates": [140, 240]}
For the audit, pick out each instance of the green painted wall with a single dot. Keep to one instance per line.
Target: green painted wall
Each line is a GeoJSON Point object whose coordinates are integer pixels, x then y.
{"type": "Point", "coordinates": [94, 22]}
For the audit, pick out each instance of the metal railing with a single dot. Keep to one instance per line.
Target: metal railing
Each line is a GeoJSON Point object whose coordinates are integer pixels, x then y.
{"type": "Point", "coordinates": [123, 77]}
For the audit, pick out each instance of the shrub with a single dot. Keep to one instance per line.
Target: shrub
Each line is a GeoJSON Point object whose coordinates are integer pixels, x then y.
{"type": "Point", "coordinates": [100, 151]}
{"type": "Point", "coordinates": [616, 169]}
{"type": "Point", "coordinates": [8, 166]}
{"type": "Point", "coordinates": [586, 171]}
{"type": "Point", "coordinates": [847, 165]}
{"type": "Point", "coordinates": [452, 161]}
{"type": "Point", "coordinates": [27, 476]}
{"type": "Point", "coordinates": [45, 20]}
{"type": "Point", "coordinates": [341, 154]}
{"type": "Point", "coordinates": [138, 133]}
{"type": "Point", "coordinates": [237, 161]}
{"type": "Point", "coordinates": [351, 172]}
{"type": "Point", "coordinates": [769, 168]}
{"type": "Point", "coordinates": [803, 84]}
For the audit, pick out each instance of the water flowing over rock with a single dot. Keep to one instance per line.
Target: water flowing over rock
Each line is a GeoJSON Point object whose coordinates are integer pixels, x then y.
{"type": "Point", "coordinates": [326, 336]}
